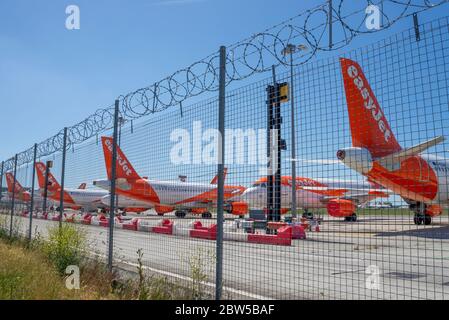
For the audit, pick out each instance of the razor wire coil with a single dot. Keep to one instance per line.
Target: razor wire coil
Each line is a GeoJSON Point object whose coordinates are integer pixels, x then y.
{"type": "Point", "coordinates": [245, 58]}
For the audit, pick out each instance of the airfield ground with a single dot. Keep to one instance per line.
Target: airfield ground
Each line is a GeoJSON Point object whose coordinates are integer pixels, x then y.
{"type": "Point", "coordinates": [381, 256]}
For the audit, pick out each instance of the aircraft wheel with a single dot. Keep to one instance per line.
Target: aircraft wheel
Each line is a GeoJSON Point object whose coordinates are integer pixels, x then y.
{"type": "Point", "coordinates": [418, 220]}
{"type": "Point", "coordinates": [160, 214]}
{"type": "Point", "coordinates": [180, 214]}
{"type": "Point", "coordinates": [308, 215]}
{"type": "Point", "coordinates": [427, 220]}
{"type": "Point", "coordinates": [351, 218]}
{"type": "Point", "coordinates": [206, 215]}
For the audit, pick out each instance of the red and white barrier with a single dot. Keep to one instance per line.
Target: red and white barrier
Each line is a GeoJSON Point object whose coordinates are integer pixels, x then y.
{"type": "Point", "coordinates": [196, 230]}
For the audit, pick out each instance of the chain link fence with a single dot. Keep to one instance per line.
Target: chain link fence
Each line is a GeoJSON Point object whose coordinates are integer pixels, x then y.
{"type": "Point", "coordinates": [323, 188]}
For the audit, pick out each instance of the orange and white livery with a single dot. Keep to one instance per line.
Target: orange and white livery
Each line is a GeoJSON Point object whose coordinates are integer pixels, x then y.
{"type": "Point", "coordinates": [20, 193]}
{"type": "Point", "coordinates": [82, 198]}
{"type": "Point", "coordinates": [340, 197]}
{"type": "Point", "coordinates": [420, 179]}
{"type": "Point", "coordinates": [167, 196]}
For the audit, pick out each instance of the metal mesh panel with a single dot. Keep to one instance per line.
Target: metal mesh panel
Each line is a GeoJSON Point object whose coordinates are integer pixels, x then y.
{"type": "Point", "coordinates": [371, 219]}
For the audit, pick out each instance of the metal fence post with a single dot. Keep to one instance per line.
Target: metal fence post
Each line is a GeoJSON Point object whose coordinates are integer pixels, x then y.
{"type": "Point", "coordinates": [13, 196]}
{"type": "Point", "coordinates": [32, 193]}
{"type": "Point", "coordinates": [221, 158]}
{"type": "Point", "coordinates": [44, 203]}
{"type": "Point", "coordinates": [293, 132]}
{"type": "Point", "coordinates": [330, 24]}
{"type": "Point", "coordinates": [61, 194]}
{"type": "Point", "coordinates": [113, 178]}
{"type": "Point", "coordinates": [1, 180]}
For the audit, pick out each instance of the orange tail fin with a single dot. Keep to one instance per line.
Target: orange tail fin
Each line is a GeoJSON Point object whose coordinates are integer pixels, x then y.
{"type": "Point", "coordinates": [10, 182]}
{"type": "Point", "coordinates": [52, 182]}
{"type": "Point", "coordinates": [215, 179]}
{"type": "Point", "coordinates": [124, 169]}
{"type": "Point", "coordinates": [369, 127]}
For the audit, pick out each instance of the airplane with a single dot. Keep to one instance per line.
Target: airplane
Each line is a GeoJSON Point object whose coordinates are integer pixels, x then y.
{"type": "Point", "coordinates": [77, 199]}
{"type": "Point", "coordinates": [420, 179]}
{"type": "Point", "coordinates": [82, 198]}
{"type": "Point", "coordinates": [168, 196]}
{"type": "Point", "coordinates": [20, 193]}
{"type": "Point", "coordinates": [340, 197]}
{"type": "Point", "coordinates": [132, 205]}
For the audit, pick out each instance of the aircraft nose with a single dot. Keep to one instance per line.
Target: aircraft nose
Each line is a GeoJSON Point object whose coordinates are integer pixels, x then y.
{"type": "Point", "coordinates": [250, 195]}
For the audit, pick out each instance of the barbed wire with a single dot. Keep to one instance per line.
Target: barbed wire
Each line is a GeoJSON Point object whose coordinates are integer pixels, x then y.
{"type": "Point", "coordinates": [245, 58]}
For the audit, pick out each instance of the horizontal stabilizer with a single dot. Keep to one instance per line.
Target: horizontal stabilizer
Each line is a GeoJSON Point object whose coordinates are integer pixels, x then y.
{"type": "Point", "coordinates": [392, 161]}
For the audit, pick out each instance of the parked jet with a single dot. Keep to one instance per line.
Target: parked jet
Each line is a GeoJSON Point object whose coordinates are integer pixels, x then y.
{"type": "Point", "coordinates": [167, 196]}
{"type": "Point", "coordinates": [20, 193]}
{"type": "Point", "coordinates": [339, 197]}
{"type": "Point", "coordinates": [420, 179]}
{"type": "Point", "coordinates": [88, 200]}
{"type": "Point", "coordinates": [82, 198]}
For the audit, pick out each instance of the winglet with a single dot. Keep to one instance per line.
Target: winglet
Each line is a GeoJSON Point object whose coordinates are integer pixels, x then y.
{"type": "Point", "coordinates": [369, 126]}
{"type": "Point", "coordinates": [82, 186]}
{"type": "Point", "coordinates": [124, 169]}
{"type": "Point", "coordinates": [215, 179]}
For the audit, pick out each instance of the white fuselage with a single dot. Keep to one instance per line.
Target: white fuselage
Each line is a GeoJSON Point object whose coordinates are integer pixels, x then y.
{"type": "Point", "coordinates": [440, 166]}
{"type": "Point", "coordinates": [169, 193]}
{"type": "Point", "coordinates": [256, 196]}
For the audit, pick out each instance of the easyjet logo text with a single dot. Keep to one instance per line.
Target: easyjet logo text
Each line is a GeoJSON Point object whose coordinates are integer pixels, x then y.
{"type": "Point", "coordinates": [120, 161]}
{"type": "Point", "coordinates": [369, 102]}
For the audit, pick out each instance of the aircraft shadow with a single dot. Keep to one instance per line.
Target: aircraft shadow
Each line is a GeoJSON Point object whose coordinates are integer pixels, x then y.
{"type": "Point", "coordinates": [441, 233]}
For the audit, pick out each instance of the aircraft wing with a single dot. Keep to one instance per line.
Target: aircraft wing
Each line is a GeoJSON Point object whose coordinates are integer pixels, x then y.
{"type": "Point", "coordinates": [361, 198]}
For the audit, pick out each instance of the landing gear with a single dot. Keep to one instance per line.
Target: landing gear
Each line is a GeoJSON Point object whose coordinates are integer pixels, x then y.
{"type": "Point", "coordinates": [180, 214]}
{"type": "Point", "coordinates": [420, 219]}
{"type": "Point", "coordinates": [306, 214]}
{"type": "Point", "coordinates": [351, 218]}
{"type": "Point", "coordinates": [206, 215]}
{"type": "Point", "coordinates": [420, 214]}
{"type": "Point", "coordinates": [160, 214]}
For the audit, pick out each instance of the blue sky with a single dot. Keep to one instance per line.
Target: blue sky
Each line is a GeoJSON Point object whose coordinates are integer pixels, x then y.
{"type": "Point", "coordinates": [51, 77]}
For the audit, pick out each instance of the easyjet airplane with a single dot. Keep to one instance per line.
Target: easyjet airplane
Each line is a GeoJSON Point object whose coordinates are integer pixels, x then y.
{"type": "Point", "coordinates": [339, 197]}
{"type": "Point", "coordinates": [82, 198]}
{"type": "Point", "coordinates": [420, 179]}
{"type": "Point", "coordinates": [88, 200]}
{"type": "Point", "coordinates": [167, 196]}
{"type": "Point", "coordinates": [132, 205]}
{"type": "Point", "coordinates": [20, 193]}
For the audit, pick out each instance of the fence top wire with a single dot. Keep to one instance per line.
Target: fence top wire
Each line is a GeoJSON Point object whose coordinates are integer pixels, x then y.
{"type": "Point", "coordinates": [255, 54]}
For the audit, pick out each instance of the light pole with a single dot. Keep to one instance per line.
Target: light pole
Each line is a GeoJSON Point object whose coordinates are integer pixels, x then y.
{"type": "Point", "coordinates": [121, 122]}
{"type": "Point", "coordinates": [49, 164]}
{"type": "Point", "coordinates": [289, 50]}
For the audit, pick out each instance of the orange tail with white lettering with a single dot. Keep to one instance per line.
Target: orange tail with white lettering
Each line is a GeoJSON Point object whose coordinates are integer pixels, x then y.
{"type": "Point", "coordinates": [369, 127]}
{"type": "Point", "coordinates": [53, 184]}
{"type": "Point", "coordinates": [10, 182]}
{"type": "Point", "coordinates": [124, 169]}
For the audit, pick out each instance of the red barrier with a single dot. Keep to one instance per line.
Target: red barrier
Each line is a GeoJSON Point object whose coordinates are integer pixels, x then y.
{"type": "Point", "coordinates": [209, 233]}
{"type": "Point", "coordinates": [298, 232]}
{"type": "Point", "coordinates": [165, 228]}
{"type": "Point", "coordinates": [86, 218]}
{"type": "Point", "coordinates": [283, 237]}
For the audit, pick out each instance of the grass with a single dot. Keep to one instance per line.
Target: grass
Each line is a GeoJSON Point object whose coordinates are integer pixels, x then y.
{"type": "Point", "coordinates": [36, 270]}
{"type": "Point", "coordinates": [27, 274]}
